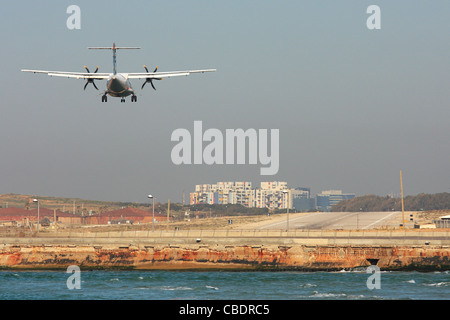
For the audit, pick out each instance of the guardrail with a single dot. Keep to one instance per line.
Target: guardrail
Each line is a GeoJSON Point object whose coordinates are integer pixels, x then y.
{"type": "Point", "coordinates": [235, 233]}
{"type": "Point", "coordinates": [236, 237]}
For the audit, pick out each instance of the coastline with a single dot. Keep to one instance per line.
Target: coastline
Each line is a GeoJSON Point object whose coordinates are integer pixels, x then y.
{"type": "Point", "coordinates": [270, 253]}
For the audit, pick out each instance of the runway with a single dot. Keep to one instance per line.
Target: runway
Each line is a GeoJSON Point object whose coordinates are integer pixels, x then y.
{"type": "Point", "coordinates": [336, 220]}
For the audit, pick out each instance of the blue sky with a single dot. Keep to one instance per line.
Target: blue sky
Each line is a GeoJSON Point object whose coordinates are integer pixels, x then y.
{"type": "Point", "coordinates": [353, 106]}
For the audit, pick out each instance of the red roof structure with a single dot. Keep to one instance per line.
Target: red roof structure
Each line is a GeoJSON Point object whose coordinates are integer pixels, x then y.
{"type": "Point", "coordinates": [130, 214]}
{"type": "Point", "coordinates": [18, 214]}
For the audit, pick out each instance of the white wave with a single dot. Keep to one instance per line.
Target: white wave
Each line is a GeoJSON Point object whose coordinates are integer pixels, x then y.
{"type": "Point", "coordinates": [175, 288]}
{"type": "Point", "coordinates": [438, 284]}
{"type": "Point", "coordinates": [411, 281]}
{"type": "Point", "coordinates": [356, 297]}
{"type": "Point", "coordinates": [327, 295]}
{"type": "Point", "coordinates": [444, 272]}
{"type": "Point", "coordinates": [307, 285]}
{"type": "Point", "coordinates": [210, 287]}
{"type": "Point", "coordinates": [142, 288]}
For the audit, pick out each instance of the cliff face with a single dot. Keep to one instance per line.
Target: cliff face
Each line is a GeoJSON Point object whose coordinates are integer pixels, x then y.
{"type": "Point", "coordinates": [310, 258]}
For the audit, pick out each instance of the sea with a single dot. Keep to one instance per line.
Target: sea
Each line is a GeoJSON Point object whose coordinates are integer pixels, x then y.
{"type": "Point", "coordinates": [223, 285]}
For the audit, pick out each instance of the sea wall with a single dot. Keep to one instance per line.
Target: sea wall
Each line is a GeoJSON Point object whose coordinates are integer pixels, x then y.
{"type": "Point", "coordinates": [236, 257]}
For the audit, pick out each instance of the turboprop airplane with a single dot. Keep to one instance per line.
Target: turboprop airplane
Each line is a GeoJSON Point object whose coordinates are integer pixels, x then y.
{"type": "Point", "coordinates": [118, 84]}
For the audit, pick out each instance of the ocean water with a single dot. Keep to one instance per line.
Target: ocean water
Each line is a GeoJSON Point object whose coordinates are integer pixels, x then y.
{"type": "Point", "coordinates": [169, 285]}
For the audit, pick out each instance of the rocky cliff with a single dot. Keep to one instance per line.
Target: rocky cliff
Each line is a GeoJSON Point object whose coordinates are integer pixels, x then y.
{"type": "Point", "coordinates": [297, 257]}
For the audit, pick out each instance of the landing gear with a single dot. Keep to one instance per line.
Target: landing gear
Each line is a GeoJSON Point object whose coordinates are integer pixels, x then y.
{"type": "Point", "coordinates": [133, 98]}
{"type": "Point", "coordinates": [104, 98]}
{"type": "Point", "coordinates": [122, 100]}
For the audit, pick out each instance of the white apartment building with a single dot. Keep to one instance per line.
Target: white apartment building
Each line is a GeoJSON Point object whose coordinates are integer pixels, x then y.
{"type": "Point", "coordinates": [272, 195]}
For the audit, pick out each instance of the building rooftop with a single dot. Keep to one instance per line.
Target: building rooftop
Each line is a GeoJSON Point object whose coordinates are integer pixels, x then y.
{"type": "Point", "coordinates": [130, 212]}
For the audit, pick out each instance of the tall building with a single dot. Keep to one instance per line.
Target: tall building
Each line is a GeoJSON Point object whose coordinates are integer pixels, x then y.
{"type": "Point", "coordinates": [328, 198]}
{"type": "Point", "coordinates": [223, 193]}
{"type": "Point", "coordinates": [241, 193]}
{"type": "Point", "coordinates": [302, 200]}
{"type": "Point", "coordinates": [272, 195]}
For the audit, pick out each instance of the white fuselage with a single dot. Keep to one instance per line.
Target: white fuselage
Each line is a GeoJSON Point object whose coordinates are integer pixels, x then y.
{"type": "Point", "coordinates": [118, 86]}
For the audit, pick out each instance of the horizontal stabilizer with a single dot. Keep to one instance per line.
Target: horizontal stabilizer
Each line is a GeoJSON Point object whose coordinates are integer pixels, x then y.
{"type": "Point", "coordinates": [111, 48]}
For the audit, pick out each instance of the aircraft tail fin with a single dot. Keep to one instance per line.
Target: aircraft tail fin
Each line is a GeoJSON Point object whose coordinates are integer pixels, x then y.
{"type": "Point", "coordinates": [113, 48]}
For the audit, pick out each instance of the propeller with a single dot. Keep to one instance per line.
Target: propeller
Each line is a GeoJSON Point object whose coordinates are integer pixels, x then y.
{"type": "Point", "coordinates": [90, 80]}
{"type": "Point", "coordinates": [150, 80]}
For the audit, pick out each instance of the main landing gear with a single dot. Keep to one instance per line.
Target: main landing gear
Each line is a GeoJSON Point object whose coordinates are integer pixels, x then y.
{"type": "Point", "coordinates": [133, 98]}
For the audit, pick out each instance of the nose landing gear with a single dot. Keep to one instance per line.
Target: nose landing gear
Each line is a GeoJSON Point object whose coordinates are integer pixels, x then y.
{"type": "Point", "coordinates": [133, 98]}
{"type": "Point", "coordinates": [104, 98]}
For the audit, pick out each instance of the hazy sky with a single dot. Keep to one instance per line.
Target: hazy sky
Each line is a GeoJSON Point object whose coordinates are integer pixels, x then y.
{"type": "Point", "coordinates": [354, 106]}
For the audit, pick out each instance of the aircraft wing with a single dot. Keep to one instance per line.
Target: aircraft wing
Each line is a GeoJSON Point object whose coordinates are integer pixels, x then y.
{"type": "Point", "coordinates": [162, 75]}
{"type": "Point", "coordinates": [77, 75]}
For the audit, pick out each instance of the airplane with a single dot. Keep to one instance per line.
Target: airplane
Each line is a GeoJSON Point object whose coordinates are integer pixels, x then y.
{"type": "Point", "coordinates": [118, 84]}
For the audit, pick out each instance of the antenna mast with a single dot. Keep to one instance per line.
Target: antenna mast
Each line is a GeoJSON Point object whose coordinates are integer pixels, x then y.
{"type": "Point", "coordinates": [403, 205]}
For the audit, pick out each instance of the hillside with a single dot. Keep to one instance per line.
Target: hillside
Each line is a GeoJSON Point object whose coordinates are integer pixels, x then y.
{"type": "Point", "coordinates": [420, 202]}
{"type": "Point", "coordinates": [68, 205]}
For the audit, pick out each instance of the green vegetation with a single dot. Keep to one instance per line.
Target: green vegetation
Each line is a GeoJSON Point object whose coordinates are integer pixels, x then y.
{"type": "Point", "coordinates": [229, 209]}
{"type": "Point", "coordinates": [420, 202]}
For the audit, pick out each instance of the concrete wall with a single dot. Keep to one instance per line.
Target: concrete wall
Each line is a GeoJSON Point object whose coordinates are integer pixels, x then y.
{"type": "Point", "coordinates": [243, 237]}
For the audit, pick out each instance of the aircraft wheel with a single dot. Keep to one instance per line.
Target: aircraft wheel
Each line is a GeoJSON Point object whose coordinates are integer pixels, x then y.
{"type": "Point", "coordinates": [104, 98]}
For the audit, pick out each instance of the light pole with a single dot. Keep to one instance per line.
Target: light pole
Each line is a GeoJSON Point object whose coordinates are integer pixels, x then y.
{"type": "Point", "coordinates": [286, 192]}
{"type": "Point", "coordinates": [357, 219]}
{"type": "Point", "coordinates": [36, 200]}
{"type": "Point", "coordinates": [153, 216]}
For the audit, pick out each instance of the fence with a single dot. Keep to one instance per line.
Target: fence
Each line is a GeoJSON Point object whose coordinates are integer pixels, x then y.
{"type": "Point", "coordinates": [442, 223]}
